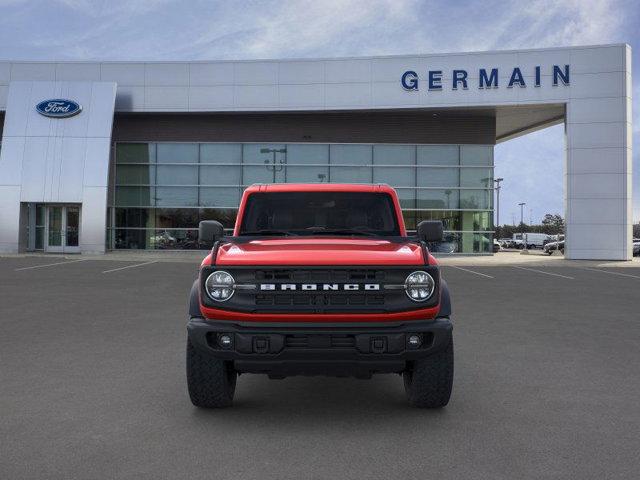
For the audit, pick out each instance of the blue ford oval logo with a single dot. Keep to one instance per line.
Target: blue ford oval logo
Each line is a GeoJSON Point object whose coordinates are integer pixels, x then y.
{"type": "Point", "coordinates": [58, 108]}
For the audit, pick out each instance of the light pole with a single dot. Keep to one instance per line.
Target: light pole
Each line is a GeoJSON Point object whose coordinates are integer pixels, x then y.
{"type": "Point", "coordinates": [522, 212]}
{"type": "Point", "coordinates": [524, 240]}
{"type": "Point", "coordinates": [497, 182]}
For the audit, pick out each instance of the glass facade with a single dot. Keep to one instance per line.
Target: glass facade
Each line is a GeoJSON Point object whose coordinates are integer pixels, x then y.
{"type": "Point", "coordinates": [161, 191]}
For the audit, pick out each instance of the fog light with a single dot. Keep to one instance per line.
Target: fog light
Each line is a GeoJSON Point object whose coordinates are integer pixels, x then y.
{"type": "Point", "coordinates": [415, 341]}
{"type": "Point", "coordinates": [225, 341]}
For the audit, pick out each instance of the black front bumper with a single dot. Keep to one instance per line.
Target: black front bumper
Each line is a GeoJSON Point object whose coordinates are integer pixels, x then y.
{"type": "Point", "coordinates": [282, 350]}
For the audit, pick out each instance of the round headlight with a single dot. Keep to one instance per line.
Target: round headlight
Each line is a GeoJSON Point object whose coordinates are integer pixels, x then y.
{"type": "Point", "coordinates": [220, 286]}
{"type": "Point", "coordinates": [419, 286]}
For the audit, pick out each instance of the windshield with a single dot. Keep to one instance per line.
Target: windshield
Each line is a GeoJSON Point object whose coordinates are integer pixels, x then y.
{"type": "Point", "coordinates": [319, 213]}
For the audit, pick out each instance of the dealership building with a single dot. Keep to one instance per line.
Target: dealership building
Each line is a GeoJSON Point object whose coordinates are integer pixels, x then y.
{"type": "Point", "coordinates": [99, 156]}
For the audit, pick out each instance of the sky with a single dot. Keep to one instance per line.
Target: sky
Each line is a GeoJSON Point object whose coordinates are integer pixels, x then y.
{"type": "Point", "coordinates": [532, 165]}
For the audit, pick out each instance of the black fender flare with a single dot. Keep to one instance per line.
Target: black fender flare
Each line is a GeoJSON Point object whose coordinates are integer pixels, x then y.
{"type": "Point", "coordinates": [194, 300]}
{"type": "Point", "coordinates": [445, 299]}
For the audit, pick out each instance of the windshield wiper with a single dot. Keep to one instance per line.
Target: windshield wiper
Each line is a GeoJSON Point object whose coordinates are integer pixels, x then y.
{"type": "Point", "coordinates": [344, 231]}
{"type": "Point", "coordinates": [284, 233]}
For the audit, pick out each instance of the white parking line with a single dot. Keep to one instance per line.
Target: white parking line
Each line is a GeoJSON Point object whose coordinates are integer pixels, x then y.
{"type": "Point", "coordinates": [50, 264]}
{"type": "Point", "coordinates": [545, 273]}
{"type": "Point", "coordinates": [130, 266]}
{"type": "Point", "coordinates": [470, 271]}
{"type": "Point", "coordinates": [610, 273]}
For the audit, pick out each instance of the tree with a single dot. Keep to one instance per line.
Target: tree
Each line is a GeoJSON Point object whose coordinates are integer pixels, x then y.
{"type": "Point", "coordinates": [553, 224]}
{"type": "Point", "coordinates": [553, 220]}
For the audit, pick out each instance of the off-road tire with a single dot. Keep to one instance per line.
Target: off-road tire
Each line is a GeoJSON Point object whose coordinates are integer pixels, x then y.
{"type": "Point", "coordinates": [428, 381]}
{"type": "Point", "coordinates": [211, 382]}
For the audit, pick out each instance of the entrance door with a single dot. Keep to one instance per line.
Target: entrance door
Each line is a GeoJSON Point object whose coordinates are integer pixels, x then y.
{"type": "Point", "coordinates": [62, 229]}
{"type": "Point", "coordinates": [72, 229]}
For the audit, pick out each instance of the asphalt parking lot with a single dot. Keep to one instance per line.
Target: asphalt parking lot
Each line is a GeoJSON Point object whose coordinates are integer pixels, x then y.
{"type": "Point", "coordinates": [92, 384]}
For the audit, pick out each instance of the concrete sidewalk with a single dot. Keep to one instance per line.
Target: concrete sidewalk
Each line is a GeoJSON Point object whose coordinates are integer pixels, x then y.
{"type": "Point", "coordinates": [534, 257]}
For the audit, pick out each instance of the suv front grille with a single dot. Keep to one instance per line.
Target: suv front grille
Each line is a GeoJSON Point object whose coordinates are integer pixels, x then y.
{"type": "Point", "coordinates": [304, 298]}
{"type": "Point", "coordinates": [318, 298]}
{"type": "Point", "coordinates": [320, 275]}
{"type": "Point", "coordinates": [336, 289]}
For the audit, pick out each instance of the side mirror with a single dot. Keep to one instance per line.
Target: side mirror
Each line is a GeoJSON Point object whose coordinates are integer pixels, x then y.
{"type": "Point", "coordinates": [210, 231]}
{"type": "Point", "coordinates": [430, 231]}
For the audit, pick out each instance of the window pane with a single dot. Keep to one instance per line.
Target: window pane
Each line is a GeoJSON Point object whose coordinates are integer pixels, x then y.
{"type": "Point", "coordinates": [407, 197]}
{"type": "Point", "coordinates": [177, 196]}
{"type": "Point", "coordinates": [351, 154]}
{"type": "Point", "coordinates": [227, 217]}
{"type": "Point", "coordinates": [219, 197]}
{"type": "Point", "coordinates": [476, 199]}
{"type": "Point", "coordinates": [254, 174]}
{"type": "Point", "coordinates": [135, 196]}
{"type": "Point", "coordinates": [476, 242]}
{"type": "Point", "coordinates": [40, 218]}
{"type": "Point", "coordinates": [39, 238]}
{"type": "Point", "coordinates": [394, 155]}
{"type": "Point", "coordinates": [177, 218]}
{"type": "Point", "coordinates": [134, 217]}
{"type": "Point", "coordinates": [133, 239]}
{"type": "Point", "coordinates": [438, 177]}
{"type": "Point", "coordinates": [438, 155]}
{"type": "Point", "coordinates": [450, 219]}
{"type": "Point", "coordinates": [177, 175]}
{"type": "Point", "coordinates": [476, 221]}
{"type": "Point", "coordinates": [476, 177]}
{"type": "Point", "coordinates": [396, 177]}
{"type": "Point", "coordinates": [221, 153]}
{"type": "Point", "coordinates": [409, 219]}
{"type": "Point", "coordinates": [265, 171]}
{"type": "Point", "coordinates": [476, 155]}
{"type": "Point", "coordinates": [451, 243]}
{"type": "Point", "coordinates": [177, 153]}
{"type": "Point", "coordinates": [318, 155]}
{"type": "Point", "coordinates": [354, 156]}
{"type": "Point", "coordinates": [135, 174]}
{"type": "Point", "coordinates": [156, 239]}
{"type": "Point", "coordinates": [351, 175]}
{"type": "Point", "coordinates": [135, 152]}
{"type": "Point", "coordinates": [440, 199]}
{"type": "Point", "coordinates": [174, 240]}
{"type": "Point", "coordinates": [220, 175]}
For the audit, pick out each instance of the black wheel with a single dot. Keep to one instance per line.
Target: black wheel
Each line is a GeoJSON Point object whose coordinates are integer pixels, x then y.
{"type": "Point", "coordinates": [211, 382]}
{"type": "Point", "coordinates": [428, 381]}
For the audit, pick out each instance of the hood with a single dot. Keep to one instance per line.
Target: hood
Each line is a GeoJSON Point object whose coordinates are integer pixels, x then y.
{"type": "Point", "coordinates": [320, 251]}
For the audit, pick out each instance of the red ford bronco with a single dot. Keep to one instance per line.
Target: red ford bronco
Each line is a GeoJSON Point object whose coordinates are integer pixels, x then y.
{"type": "Point", "coordinates": [319, 279]}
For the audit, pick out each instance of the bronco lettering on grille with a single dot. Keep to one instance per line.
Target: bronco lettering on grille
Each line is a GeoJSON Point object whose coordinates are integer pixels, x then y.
{"type": "Point", "coordinates": [319, 286]}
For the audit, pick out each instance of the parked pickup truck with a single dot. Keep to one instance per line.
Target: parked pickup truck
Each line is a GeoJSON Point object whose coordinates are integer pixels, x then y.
{"type": "Point", "coordinates": [319, 279]}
